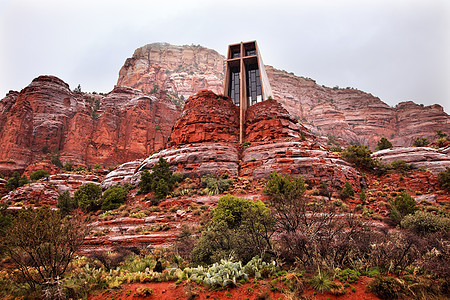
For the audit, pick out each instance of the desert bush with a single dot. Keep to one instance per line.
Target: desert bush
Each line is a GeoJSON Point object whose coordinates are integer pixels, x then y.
{"type": "Point", "coordinates": [420, 142]}
{"type": "Point", "coordinates": [322, 283]}
{"type": "Point", "coordinates": [111, 259]}
{"type": "Point", "coordinates": [400, 166]}
{"type": "Point", "coordinates": [423, 223]}
{"type": "Point", "coordinates": [88, 197]}
{"type": "Point", "coordinates": [287, 197]}
{"type": "Point", "coordinates": [114, 197]}
{"type": "Point", "coordinates": [214, 186]}
{"type": "Point", "coordinates": [185, 242]}
{"type": "Point", "coordinates": [347, 191]}
{"type": "Point", "coordinates": [55, 159]}
{"type": "Point", "coordinates": [160, 181]}
{"type": "Point", "coordinates": [240, 227]}
{"type": "Point", "coordinates": [38, 174]}
{"type": "Point", "coordinates": [42, 244]}
{"type": "Point", "coordinates": [383, 143]}
{"type": "Point", "coordinates": [386, 287]}
{"type": "Point", "coordinates": [359, 155]}
{"type": "Point", "coordinates": [16, 181]}
{"type": "Point", "coordinates": [444, 178]}
{"type": "Point", "coordinates": [66, 204]}
{"type": "Point", "coordinates": [68, 166]}
{"type": "Point", "coordinates": [401, 206]}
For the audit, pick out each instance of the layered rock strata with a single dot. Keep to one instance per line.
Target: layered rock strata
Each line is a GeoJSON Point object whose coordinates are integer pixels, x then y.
{"type": "Point", "coordinates": [274, 142]}
{"type": "Point", "coordinates": [336, 112]}
{"type": "Point", "coordinates": [435, 160]}
{"type": "Point", "coordinates": [47, 119]}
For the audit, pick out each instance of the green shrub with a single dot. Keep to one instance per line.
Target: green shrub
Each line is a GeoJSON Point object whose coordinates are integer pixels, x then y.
{"type": "Point", "coordinates": [401, 206]}
{"type": "Point", "coordinates": [68, 166]}
{"type": "Point", "coordinates": [444, 178]}
{"type": "Point", "coordinates": [214, 186]}
{"type": "Point", "coordinates": [160, 181]}
{"type": "Point", "coordinates": [114, 197]}
{"type": "Point", "coordinates": [383, 143]}
{"type": "Point", "coordinates": [400, 166]}
{"type": "Point", "coordinates": [240, 227]}
{"type": "Point", "coordinates": [347, 191]}
{"type": "Point", "coordinates": [322, 283]}
{"type": "Point", "coordinates": [359, 155]}
{"type": "Point", "coordinates": [66, 204]}
{"type": "Point", "coordinates": [16, 181]}
{"type": "Point", "coordinates": [36, 175]}
{"type": "Point", "coordinates": [386, 287]}
{"type": "Point", "coordinates": [420, 142]}
{"type": "Point", "coordinates": [423, 223]}
{"type": "Point", "coordinates": [87, 197]}
{"type": "Point", "coordinates": [55, 160]}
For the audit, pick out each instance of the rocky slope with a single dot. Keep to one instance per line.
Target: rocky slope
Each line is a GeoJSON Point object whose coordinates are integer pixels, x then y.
{"type": "Point", "coordinates": [47, 119]}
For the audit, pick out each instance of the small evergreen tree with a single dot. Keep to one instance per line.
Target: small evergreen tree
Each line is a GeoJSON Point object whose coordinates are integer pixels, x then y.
{"type": "Point", "coordinates": [38, 174]}
{"type": "Point", "coordinates": [384, 143]}
{"type": "Point", "coordinates": [160, 181]}
{"type": "Point", "coordinates": [88, 197]}
{"type": "Point", "coordinates": [114, 197]}
{"type": "Point", "coordinates": [347, 191]}
{"type": "Point", "coordinates": [359, 155]}
{"type": "Point", "coordinates": [444, 178]}
{"type": "Point", "coordinates": [66, 204]}
{"type": "Point", "coordinates": [421, 142]}
{"type": "Point", "coordinates": [402, 206]}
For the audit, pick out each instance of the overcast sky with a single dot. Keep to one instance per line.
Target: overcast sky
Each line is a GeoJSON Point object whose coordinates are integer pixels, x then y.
{"type": "Point", "coordinates": [397, 50]}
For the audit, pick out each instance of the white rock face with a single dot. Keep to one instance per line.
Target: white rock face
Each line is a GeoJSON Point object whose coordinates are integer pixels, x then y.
{"type": "Point", "coordinates": [435, 160]}
{"type": "Point", "coordinates": [122, 175]}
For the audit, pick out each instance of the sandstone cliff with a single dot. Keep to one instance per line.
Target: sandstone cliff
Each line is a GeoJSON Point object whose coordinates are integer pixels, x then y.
{"type": "Point", "coordinates": [47, 119]}
{"type": "Point", "coordinates": [356, 116]}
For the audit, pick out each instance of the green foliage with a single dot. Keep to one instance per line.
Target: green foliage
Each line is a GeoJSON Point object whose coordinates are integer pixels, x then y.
{"type": "Point", "coordinates": [423, 223]}
{"type": "Point", "coordinates": [55, 159]}
{"type": "Point", "coordinates": [223, 274]}
{"type": "Point", "coordinates": [36, 175]}
{"type": "Point", "coordinates": [383, 143]}
{"type": "Point", "coordinates": [400, 166]}
{"type": "Point", "coordinates": [214, 186]}
{"type": "Point", "coordinates": [240, 227]}
{"type": "Point", "coordinates": [114, 197]}
{"type": "Point", "coordinates": [160, 181]}
{"type": "Point", "coordinates": [66, 204]}
{"type": "Point", "coordinates": [359, 155]}
{"type": "Point", "coordinates": [362, 196]}
{"type": "Point", "coordinates": [322, 283]}
{"type": "Point", "coordinates": [440, 134]}
{"type": "Point", "coordinates": [347, 191]}
{"type": "Point", "coordinates": [444, 178]}
{"type": "Point", "coordinates": [386, 287]}
{"type": "Point", "coordinates": [87, 197]}
{"type": "Point", "coordinates": [68, 166]}
{"type": "Point", "coordinates": [246, 144]}
{"type": "Point", "coordinates": [97, 166]}
{"type": "Point", "coordinates": [42, 244]}
{"type": "Point", "coordinates": [420, 142]}
{"type": "Point", "coordinates": [287, 198]}
{"type": "Point", "coordinates": [402, 206]}
{"type": "Point", "coordinates": [16, 181]}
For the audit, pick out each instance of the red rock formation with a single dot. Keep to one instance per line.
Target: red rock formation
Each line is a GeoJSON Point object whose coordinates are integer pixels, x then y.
{"type": "Point", "coordinates": [41, 165]}
{"type": "Point", "coordinates": [206, 117]}
{"type": "Point", "coordinates": [348, 113]}
{"type": "Point", "coordinates": [179, 70]}
{"type": "Point", "coordinates": [46, 117]}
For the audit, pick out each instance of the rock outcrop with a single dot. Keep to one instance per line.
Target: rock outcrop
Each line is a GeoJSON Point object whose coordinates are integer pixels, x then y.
{"type": "Point", "coordinates": [419, 157]}
{"type": "Point", "coordinates": [177, 71]}
{"type": "Point", "coordinates": [338, 112]}
{"type": "Point", "coordinates": [274, 142]}
{"type": "Point", "coordinates": [47, 119]}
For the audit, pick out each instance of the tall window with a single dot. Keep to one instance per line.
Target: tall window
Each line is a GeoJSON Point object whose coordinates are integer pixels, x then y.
{"type": "Point", "coordinates": [254, 92]}
{"type": "Point", "coordinates": [234, 89]}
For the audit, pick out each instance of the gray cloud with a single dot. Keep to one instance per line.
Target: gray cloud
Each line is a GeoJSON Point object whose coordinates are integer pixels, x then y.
{"type": "Point", "coordinates": [396, 50]}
